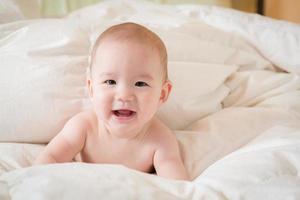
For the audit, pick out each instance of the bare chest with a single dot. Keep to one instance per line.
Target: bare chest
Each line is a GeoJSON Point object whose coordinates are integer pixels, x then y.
{"type": "Point", "coordinates": [134, 155]}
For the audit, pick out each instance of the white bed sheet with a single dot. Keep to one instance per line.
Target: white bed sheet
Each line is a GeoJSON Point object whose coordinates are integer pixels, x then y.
{"type": "Point", "coordinates": [266, 168]}
{"type": "Point", "coordinates": [246, 146]}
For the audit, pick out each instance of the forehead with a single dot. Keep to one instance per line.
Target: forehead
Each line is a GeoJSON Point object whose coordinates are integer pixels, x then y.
{"type": "Point", "coordinates": [115, 55]}
{"type": "Point", "coordinates": [132, 44]}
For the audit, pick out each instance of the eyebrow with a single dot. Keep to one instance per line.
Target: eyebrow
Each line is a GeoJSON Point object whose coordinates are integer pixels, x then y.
{"type": "Point", "coordinates": [143, 76]}
{"type": "Point", "coordinates": [106, 74]}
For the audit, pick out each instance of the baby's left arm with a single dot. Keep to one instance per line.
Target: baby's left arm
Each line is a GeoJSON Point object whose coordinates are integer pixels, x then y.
{"type": "Point", "coordinates": [167, 160]}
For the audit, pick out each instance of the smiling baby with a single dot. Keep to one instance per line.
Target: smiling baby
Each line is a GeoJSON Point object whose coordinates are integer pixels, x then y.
{"type": "Point", "coordinates": [127, 84]}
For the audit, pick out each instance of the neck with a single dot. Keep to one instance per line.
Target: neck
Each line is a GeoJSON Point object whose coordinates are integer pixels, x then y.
{"type": "Point", "coordinates": [124, 135]}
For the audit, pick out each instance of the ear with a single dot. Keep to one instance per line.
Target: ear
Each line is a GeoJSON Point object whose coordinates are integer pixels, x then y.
{"type": "Point", "coordinates": [165, 92]}
{"type": "Point", "coordinates": [90, 87]}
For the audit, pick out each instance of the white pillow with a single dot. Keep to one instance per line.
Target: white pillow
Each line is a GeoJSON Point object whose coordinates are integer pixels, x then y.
{"type": "Point", "coordinates": [198, 90]}
{"type": "Point", "coordinates": [42, 78]}
{"type": "Point", "coordinates": [199, 42]}
{"type": "Point", "coordinates": [250, 88]}
{"type": "Point", "coordinates": [47, 60]}
{"type": "Point", "coordinates": [277, 40]}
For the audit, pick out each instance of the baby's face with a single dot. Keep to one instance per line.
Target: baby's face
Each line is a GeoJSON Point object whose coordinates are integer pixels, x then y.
{"type": "Point", "coordinates": [127, 86]}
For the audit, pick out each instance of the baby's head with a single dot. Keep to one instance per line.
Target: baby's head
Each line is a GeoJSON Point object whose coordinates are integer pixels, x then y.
{"type": "Point", "coordinates": [128, 78]}
{"type": "Point", "coordinates": [132, 33]}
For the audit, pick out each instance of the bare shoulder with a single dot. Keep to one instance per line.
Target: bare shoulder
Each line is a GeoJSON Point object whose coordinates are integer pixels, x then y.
{"type": "Point", "coordinates": [79, 126]}
{"type": "Point", "coordinates": [162, 135]}
{"type": "Point", "coordinates": [77, 129]}
{"type": "Point", "coordinates": [69, 141]}
{"type": "Point", "coordinates": [84, 120]}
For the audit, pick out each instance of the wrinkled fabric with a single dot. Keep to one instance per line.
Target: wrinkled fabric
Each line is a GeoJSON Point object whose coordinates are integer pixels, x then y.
{"type": "Point", "coordinates": [234, 107]}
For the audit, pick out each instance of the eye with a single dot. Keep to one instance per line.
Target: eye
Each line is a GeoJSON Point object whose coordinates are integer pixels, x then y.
{"type": "Point", "coordinates": [110, 82]}
{"type": "Point", "coordinates": [141, 84]}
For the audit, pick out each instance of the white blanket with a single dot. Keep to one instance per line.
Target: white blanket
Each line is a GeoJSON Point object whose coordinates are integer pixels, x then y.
{"type": "Point", "coordinates": [235, 113]}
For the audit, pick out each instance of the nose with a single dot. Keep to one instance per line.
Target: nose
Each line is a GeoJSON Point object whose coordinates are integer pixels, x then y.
{"type": "Point", "coordinates": [124, 94]}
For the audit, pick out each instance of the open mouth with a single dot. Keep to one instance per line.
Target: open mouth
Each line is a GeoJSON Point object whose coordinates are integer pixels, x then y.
{"type": "Point", "coordinates": [123, 113]}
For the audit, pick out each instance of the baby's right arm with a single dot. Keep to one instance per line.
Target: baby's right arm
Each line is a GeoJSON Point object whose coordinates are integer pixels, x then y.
{"type": "Point", "coordinates": [67, 143]}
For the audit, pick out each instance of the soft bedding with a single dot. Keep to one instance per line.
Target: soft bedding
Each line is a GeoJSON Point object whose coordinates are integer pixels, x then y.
{"type": "Point", "coordinates": [235, 107]}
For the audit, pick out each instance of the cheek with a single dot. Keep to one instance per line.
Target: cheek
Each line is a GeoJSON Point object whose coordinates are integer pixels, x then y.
{"type": "Point", "coordinates": [102, 94]}
{"type": "Point", "coordinates": [150, 101]}
{"type": "Point", "coordinates": [101, 101]}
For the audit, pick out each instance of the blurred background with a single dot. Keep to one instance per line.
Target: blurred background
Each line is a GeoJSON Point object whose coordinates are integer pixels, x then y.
{"type": "Point", "coordinates": [19, 9]}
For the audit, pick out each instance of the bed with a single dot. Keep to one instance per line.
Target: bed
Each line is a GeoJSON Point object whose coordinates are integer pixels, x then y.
{"type": "Point", "coordinates": [235, 106]}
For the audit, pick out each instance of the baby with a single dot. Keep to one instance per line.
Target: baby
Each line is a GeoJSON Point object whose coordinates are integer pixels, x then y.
{"type": "Point", "coordinates": [127, 84]}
